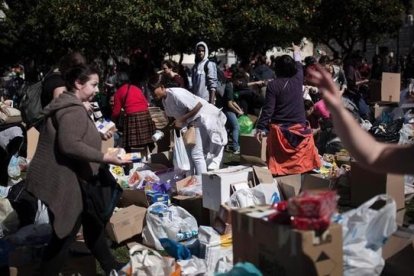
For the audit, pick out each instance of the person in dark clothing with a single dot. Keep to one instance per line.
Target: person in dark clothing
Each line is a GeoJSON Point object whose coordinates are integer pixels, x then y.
{"type": "Point", "coordinates": [290, 145]}
{"type": "Point", "coordinates": [54, 84]}
{"type": "Point", "coordinates": [232, 110]}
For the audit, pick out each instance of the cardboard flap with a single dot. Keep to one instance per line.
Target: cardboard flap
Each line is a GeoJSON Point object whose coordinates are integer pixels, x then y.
{"type": "Point", "coordinates": [289, 185]}
{"type": "Point", "coordinates": [262, 175]}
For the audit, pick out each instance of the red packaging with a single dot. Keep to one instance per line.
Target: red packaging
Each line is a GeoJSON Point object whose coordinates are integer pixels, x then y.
{"type": "Point", "coordinates": [281, 216]}
{"type": "Point", "coordinates": [317, 224]}
{"type": "Point", "coordinates": [313, 204]}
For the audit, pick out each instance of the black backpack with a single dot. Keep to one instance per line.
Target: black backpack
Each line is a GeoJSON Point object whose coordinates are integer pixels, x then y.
{"type": "Point", "coordinates": [31, 103]}
{"type": "Point", "coordinates": [221, 79]}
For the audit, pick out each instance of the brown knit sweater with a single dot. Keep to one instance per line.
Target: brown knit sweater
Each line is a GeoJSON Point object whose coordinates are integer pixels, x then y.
{"type": "Point", "coordinates": [69, 147]}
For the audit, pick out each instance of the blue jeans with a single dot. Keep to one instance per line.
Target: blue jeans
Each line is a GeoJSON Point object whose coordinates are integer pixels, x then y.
{"type": "Point", "coordinates": [235, 128]}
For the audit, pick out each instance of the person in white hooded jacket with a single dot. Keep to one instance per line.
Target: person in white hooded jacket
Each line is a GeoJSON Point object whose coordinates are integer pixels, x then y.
{"type": "Point", "coordinates": [204, 74]}
{"type": "Point", "coordinates": [190, 110]}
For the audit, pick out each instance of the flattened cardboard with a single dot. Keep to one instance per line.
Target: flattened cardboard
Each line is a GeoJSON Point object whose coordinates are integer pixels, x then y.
{"type": "Point", "coordinates": [390, 87]}
{"type": "Point", "coordinates": [126, 223]}
{"type": "Point", "coordinates": [365, 184]}
{"type": "Point", "coordinates": [216, 185]}
{"type": "Point", "coordinates": [279, 250]}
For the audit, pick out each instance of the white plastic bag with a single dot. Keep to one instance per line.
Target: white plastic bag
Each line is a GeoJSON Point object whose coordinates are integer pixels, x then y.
{"type": "Point", "coordinates": [145, 261]}
{"type": "Point", "coordinates": [180, 158]}
{"type": "Point", "coordinates": [42, 215]}
{"type": "Point", "coordinates": [365, 231]}
{"type": "Point", "coordinates": [243, 198]}
{"type": "Point", "coordinates": [13, 170]}
{"type": "Point", "coordinates": [171, 222]}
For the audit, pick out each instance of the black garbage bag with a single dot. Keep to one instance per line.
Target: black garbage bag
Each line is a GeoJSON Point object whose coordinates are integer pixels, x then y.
{"type": "Point", "coordinates": [387, 132]}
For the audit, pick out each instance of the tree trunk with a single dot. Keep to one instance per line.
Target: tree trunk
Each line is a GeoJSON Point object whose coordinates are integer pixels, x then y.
{"type": "Point", "coordinates": [181, 58]}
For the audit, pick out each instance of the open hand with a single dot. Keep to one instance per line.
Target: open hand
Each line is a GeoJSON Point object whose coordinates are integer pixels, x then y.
{"type": "Point", "coordinates": [111, 157]}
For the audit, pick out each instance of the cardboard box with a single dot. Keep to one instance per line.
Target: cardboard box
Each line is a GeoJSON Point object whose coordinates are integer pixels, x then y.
{"type": "Point", "coordinates": [279, 250]}
{"type": "Point", "coordinates": [133, 197]}
{"type": "Point", "coordinates": [397, 242]}
{"type": "Point", "coordinates": [266, 184]}
{"type": "Point", "coordinates": [315, 182]}
{"type": "Point", "coordinates": [126, 223]}
{"type": "Point", "coordinates": [398, 253]}
{"type": "Point", "coordinates": [250, 147]}
{"type": "Point", "coordinates": [289, 185]}
{"type": "Point", "coordinates": [193, 204]}
{"type": "Point", "coordinates": [379, 108]}
{"type": "Point", "coordinates": [216, 185]}
{"type": "Point", "coordinates": [365, 184]}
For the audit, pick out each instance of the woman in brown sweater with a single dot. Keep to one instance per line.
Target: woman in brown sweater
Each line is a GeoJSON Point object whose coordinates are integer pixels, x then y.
{"type": "Point", "coordinates": [68, 155]}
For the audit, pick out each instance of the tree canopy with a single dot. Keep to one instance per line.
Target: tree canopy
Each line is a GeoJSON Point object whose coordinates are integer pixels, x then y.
{"type": "Point", "coordinates": [46, 29]}
{"type": "Point", "coordinates": [347, 22]}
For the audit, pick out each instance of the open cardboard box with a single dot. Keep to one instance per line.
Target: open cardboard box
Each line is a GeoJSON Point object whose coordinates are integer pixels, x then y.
{"type": "Point", "coordinates": [193, 204]}
{"type": "Point", "coordinates": [216, 185]}
{"type": "Point", "coordinates": [280, 250]}
{"type": "Point", "coordinates": [126, 223]}
{"type": "Point", "coordinates": [133, 197]}
{"type": "Point", "coordinates": [365, 184]}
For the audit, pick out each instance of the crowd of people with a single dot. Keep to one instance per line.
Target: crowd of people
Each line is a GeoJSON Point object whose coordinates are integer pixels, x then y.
{"type": "Point", "coordinates": [297, 103]}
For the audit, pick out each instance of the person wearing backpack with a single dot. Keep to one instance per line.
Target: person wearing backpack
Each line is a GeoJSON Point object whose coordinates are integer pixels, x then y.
{"type": "Point", "coordinates": [37, 96]}
{"type": "Point", "coordinates": [204, 80]}
{"type": "Point", "coordinates": [53, 83]}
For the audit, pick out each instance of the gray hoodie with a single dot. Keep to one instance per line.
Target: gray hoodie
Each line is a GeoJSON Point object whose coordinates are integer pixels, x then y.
{"type": "Point", "coordinates": [204, 80]}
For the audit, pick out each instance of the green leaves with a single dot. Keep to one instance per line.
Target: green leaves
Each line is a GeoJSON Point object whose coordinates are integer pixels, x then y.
{"type": "Point", "coordinates": [46, 29]}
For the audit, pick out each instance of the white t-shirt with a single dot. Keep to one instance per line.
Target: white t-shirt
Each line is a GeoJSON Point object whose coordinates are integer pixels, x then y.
{"type": "Point", "coordinates": [180, 101]}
